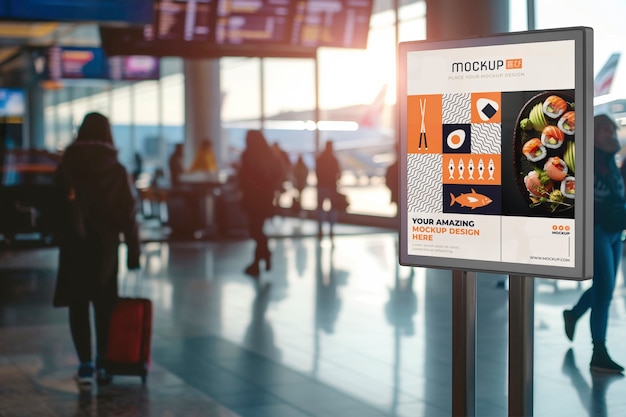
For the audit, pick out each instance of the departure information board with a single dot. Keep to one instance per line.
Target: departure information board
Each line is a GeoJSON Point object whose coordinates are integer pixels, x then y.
{"type": "Point", "coordinates": [497, 167]}
{"type": "Point", "coordinates": [331, 23]}
{"type": "Point", "coordinates": [174, 20]}
{"type": "Point", "coordinates": [213, 28]}
{"type": "Point", "coordinates": [78, 62]}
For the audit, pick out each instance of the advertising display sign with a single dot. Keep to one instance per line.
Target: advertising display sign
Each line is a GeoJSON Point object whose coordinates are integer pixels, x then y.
{"type": "Point", "coordinates": [84, 62]}
{"type": "Point", "coordinates": [496, 151]}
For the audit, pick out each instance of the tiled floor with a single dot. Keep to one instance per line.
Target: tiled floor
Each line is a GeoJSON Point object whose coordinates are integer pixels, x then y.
{"type": "Point", "coordinates": [335, 329]}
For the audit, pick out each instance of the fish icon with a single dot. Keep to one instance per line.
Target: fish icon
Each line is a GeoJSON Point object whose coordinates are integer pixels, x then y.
{"type": "Point", "coordinates": [481, 168]}
{"type": "Point", "coordinates": [451, 169]}
{"type": "Point", "coordinates": [461, 169]}
{"type": "Point", "coordinates": [470, 169]}
{"type": "Point", "coordinates": [472, 200]}
{"type": "Point", "coordinates": [491, 168]}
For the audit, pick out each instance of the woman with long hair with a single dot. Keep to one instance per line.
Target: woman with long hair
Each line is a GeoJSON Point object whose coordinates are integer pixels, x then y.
{"type": "Point", "coordinates": [95, 206]}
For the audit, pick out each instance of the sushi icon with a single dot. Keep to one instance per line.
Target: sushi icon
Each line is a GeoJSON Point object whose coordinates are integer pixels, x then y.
{"type": "Point", "coordinates": [534, 150]}
{"type": "Point", "coordinates": [567, 123]}
{"type": "Point", "coordinates": [456, 139]}
{"type": "Point", "coordinates": [552, 137]}
{"type": "Point", "coordinates": [554, 106]}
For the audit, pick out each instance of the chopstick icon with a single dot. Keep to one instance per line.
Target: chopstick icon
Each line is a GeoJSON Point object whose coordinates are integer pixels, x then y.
{"type": "Point", "coordinates": [423, 126]}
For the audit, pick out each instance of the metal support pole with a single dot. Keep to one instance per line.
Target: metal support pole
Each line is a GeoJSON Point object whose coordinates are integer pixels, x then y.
{"type": "Point", "coordinates": [521, 345]}
{"type": "Point", "coordinates": [463, 343]}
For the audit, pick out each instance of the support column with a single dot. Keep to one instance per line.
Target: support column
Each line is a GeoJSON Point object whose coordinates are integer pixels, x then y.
{"type": "Point", "coordinates": [448, 19]}
{"type": "Point", "coordinates": [202, 107]}
{"type": "Point", "coordinates": [451, 19]}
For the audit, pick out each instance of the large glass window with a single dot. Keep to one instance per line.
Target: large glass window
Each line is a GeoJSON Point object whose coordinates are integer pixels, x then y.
{"type": "Point", "coordinates": [354, 90]}
{"type": "Point", "coordinates": [606, 19]}
{"type": "Point", "coordinates": [241, 102]}
{"type": "Point", "coordinates": [146, 128]}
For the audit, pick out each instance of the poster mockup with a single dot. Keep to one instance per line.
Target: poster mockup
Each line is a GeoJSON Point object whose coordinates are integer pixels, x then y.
{"type": "Point", "coordinates": [490, 178]}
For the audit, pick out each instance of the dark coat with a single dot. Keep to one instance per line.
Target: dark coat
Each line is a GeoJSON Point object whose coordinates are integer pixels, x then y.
{"type": "Point", "coordinates": [88, 257]}
{"type": "Point", "coordinates": [327, 169]}
{"type": "Point", "coordinates": [259, 176]}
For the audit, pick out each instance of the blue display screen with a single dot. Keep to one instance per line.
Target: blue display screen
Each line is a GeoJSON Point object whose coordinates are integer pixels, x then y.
{"type": "Point", "coordinates": [127, 11]}
{"type": "Point", "coordinates": [12, 102]}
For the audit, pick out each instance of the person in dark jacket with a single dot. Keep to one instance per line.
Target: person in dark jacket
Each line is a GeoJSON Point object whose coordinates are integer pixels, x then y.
{"type": "Point", "coordinates": [259, 175]}
{"type": "Point", "coordinates": [96, 204]}
{"type": "Point", "coordinates": [176, 164]}
{"type": "Point", "coordinates": [300, 176]}
{"type": "Point", "coordinates": [328, 174]}
{"type": "Point", "coordinates": [607, 247]}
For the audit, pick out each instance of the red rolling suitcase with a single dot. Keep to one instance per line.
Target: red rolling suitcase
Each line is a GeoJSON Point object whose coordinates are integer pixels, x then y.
{"type": "Point", "coordinates": [130, 335]}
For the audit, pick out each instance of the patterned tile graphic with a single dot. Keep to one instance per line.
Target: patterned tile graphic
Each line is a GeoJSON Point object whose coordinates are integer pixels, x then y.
{"type": "Point", "coordinates": [460, 170]}
{"type": "Point", "coordinates": [486, 138]}
{"type": "Point", "coordinates": [456, 108]}
{"type": "Point", "coordinates": [424, 183]}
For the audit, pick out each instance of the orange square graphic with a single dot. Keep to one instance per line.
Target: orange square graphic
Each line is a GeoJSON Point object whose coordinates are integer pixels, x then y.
{"type": "Point", "coordinates": [486, 108]}
{"type": "Point", "coordinates": [424, 124]}
{"type": "Point", "coordinates": [514, 63]}
{"type": "Point", "coordinates": [472, 169]}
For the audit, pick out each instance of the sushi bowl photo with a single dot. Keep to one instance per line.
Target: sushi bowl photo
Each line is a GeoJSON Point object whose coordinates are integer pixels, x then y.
{"type": "Point", "coordinates": [544, 151]}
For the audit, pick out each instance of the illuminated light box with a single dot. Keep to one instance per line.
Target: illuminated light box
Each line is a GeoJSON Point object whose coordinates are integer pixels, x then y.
{"type": "Point", "coordinates": [481, 122]}
{"type": "Point", "coordinates": [78, 62]}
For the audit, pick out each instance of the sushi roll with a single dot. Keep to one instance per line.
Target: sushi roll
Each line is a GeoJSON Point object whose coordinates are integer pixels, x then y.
{"type": "Point", "coordinates": [535, 188]}
{"type": "Point", "coordinates": [556, 168]}
{"type": "Point", "coordinates": [552, 137]}
{"type": "Point", "coordinates": [554, 106]}
{"type": "Point", "coordinates": [567, 123]}
{"type": "Point", "coordinates": [568, 187]}
{"type": "Point", "coordinates": [534, 150]}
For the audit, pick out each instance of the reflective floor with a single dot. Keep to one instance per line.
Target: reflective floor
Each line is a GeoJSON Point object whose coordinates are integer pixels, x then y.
{"type": "Point", "coordinates": [334, 329]}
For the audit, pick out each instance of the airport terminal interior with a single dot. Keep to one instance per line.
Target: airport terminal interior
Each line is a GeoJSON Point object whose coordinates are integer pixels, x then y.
{"type": "Point", "coordinates": [336, 327]}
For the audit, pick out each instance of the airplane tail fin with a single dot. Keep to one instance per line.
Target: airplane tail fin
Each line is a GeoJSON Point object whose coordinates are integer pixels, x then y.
{"type": "Point", "coordinates": [604, 78]}
{"type": "Point", "coordinates": [374, 113]}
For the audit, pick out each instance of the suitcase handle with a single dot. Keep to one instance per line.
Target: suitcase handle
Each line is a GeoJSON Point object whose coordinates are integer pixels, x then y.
{"type": "Point", "coordinates": [135, 291]}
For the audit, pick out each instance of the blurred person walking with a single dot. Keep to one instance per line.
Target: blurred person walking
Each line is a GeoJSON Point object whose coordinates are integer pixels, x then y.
{"type": "Point", "coordinates": [286, 173]}
{"type": "Point", "coordinates": [328, 174]}
{"type": "Point", "coordinates": [609, 222]}
{"type": "Point", "coordinates": [300, 176]}
{"type": "Point", "coordinates": [95, 204]}
{"type": "Point", "coordinates": [176, 164]}
{"type": "Point", "coordinates": [259, 175]}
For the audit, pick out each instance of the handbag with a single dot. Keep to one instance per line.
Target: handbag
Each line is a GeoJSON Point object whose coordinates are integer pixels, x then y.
{"type": "Point", "coordinates": [340, 201]}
